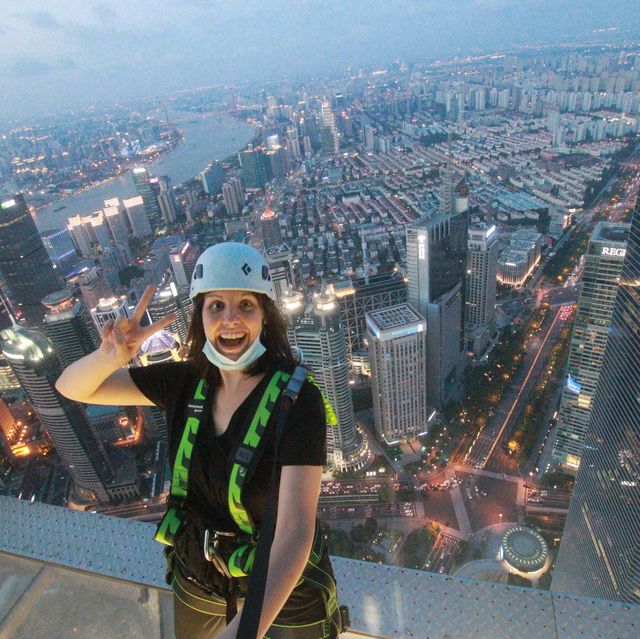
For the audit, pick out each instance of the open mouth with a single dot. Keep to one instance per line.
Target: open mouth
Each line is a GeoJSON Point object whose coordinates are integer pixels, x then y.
{"type": "Point", "coordinates": [231, 340]}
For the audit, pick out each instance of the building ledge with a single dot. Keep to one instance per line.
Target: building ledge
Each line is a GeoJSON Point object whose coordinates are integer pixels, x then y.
{"type": "Point", "coordinates": [51, 555]}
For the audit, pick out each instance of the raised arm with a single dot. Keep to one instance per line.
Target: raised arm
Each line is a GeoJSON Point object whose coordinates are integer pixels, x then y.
{"type": "Point", "coordinates": [99, 378]}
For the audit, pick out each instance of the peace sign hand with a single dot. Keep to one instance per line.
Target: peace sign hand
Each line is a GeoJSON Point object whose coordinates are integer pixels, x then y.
{"type": "Point", "coordinates": [122, 337]}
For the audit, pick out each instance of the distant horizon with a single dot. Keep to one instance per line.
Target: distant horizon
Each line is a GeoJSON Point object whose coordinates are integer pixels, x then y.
{"type": "Point", "coordinates": [67, 54]}
{"type": "Point", "coordinates": [369, 68]}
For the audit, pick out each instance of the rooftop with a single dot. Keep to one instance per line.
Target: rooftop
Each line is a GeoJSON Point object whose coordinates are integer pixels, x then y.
{"type": "Point", "coordinates": [611, 232]}
{"type": "Point", "coordinates": [394, 316]}
{"type": "Point", "coordinates": [51, 555]}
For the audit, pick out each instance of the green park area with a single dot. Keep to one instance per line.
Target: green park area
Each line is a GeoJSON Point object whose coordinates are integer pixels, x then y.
{"type": "Point", "coordinates": [370, 542]}
{"type": "Point", "coordinates": [416, 547]}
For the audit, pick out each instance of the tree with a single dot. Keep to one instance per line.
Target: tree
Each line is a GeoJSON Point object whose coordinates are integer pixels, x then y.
{"type": "Point", "coordinates": [371, 526]}
{"type": "Point", "coordinates": [386, 494]}
{"type": "Point", "coordinates": [125, 275]}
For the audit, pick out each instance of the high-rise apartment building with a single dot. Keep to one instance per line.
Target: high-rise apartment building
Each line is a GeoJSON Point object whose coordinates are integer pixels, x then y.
{"type": "Point", "coordinates": [436, 260]}
{"type": "Point", "coordinates": [480, 285]}
{"type": "Point", "coordinates": [603, 264]}
{"type": "Point", "coordinates": [397, 349]}
{"type": "Point", "coordinates": [600, 550]}
{"type": "Point", "coordinates": [68, 326]}
{"type": "Point", "coordinates": [26, 271]}
{"type": "Point", "coordinates": [317, 332]}
{"type": "Point", "coordinates": [34, 361]}
{"type": "Point", "coordinates": [148, 191]}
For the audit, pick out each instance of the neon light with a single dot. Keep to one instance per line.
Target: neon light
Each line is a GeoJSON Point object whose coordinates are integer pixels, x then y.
{"type": "Point", "coordinates": [7, 204]}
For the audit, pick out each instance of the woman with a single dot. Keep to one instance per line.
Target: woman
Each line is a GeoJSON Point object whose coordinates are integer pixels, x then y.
{"type": "Point", "coordinates": [238, 345]}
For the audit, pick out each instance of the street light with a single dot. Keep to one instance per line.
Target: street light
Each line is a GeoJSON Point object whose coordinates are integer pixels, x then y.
{"type": "Point", "coordinates": [500, 515]}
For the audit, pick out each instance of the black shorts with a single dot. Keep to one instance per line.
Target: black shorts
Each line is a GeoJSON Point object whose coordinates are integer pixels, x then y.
{"type": "Point", "coordinates": [201, 615]}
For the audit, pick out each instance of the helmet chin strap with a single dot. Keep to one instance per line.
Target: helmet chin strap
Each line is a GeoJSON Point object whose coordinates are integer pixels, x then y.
{"type": "Point", "coordinates": [256, 350]}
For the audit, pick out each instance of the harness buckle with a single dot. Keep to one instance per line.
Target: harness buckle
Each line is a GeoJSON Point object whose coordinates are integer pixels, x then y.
{"type": "Point", "coordinates": [212, 552]}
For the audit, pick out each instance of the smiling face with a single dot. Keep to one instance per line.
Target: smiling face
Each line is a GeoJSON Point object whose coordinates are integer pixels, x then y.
{"type": "Point", "coordinates": [232, 321]}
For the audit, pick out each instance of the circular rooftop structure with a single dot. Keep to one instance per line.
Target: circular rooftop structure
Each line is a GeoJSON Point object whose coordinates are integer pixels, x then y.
{"type": "Point", "coordinates": [524, 549]}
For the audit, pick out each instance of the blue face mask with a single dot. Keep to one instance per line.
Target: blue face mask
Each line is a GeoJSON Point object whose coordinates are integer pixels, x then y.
{"type": "Point", "coordinates": [247, 358]}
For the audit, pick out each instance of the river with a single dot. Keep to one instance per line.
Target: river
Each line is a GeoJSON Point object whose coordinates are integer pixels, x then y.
{"type": "Point", "coordinates": [207, 137]}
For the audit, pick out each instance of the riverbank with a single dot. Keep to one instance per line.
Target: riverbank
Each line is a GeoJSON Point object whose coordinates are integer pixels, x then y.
{"type": "Point", "coordinates": [213, 136]}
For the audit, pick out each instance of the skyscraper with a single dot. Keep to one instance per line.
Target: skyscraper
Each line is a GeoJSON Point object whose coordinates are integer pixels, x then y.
{"type": "Point", "coordinates": [280, 262]}
{"type": "Point", "coordinates": [167, 300]}
{"type": "Point", "coordinates": [212, 178]}
{"type": "Point", "coordinates": [60, 248]}
{"type": "Point", "coordinates": [176, 259]}
{"type": "Point", "coordinates": [166, 199]}
{"type": "Point", "coordinates": [94, 286]}
{"type": "Point", "coordinates": [294, 144]}
{"type": "Point", "coordinates": [329, 130]}
{"type": "Point", "coordinates": [600, 550]}
{"type": "Point", "coordinates": [137, 215]}
{"type": "Point", "coordinates": [8, 432]}
{"type": "Point", "coordinates": [254, 167]}
{"type": "Point", "coordinates": [69, 327]}
{"type": "Point", "coordinates": [363, 295]}
{"type": "Point", "coordinates": [270, 227]}
{"type": "Point", "coordinates": [480, 285]}
{"type": "Point", "coordinates": [148, 192]}
{"type": "Point", "coordinates": [32, 357]}
{"type": "Point", "coordinates": [317, 332]}
{"type": "Point", "coordinates": [276, 161]}
{"type": "Point", "coordinates": [115, 218]}
{"type": "Point", "coordinates": [27, 274]}
{"type": "Point", "coordinates": [80, 236]}
{"type": "Point", "coordinates": [109, 308]}
{"type": "Point", "coordinates": [230, 197]}
{"type": "Point", "coordinates": [397, 345]}
{"type": "Point", "coordinates": [601, 275]}
{"type": "Point", "coordinates": [436, 259]}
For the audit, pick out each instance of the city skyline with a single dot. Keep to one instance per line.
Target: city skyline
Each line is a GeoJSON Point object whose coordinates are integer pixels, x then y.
{"type": "Point", "coordinates": [63, 52]}
{"type": "Point", "coordinates": [426, 229]}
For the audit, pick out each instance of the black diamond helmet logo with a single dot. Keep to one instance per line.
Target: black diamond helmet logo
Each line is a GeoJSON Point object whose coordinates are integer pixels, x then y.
{"type": "Point", "coordinates": [246, 269]}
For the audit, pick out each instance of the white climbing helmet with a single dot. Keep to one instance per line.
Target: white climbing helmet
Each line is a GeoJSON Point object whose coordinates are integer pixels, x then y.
{"type": "Point", "coordinates": [231, 266]}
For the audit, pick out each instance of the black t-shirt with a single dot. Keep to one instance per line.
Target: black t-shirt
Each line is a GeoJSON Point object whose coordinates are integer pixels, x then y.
{"type": "Point", "coordinates": [171, 386]}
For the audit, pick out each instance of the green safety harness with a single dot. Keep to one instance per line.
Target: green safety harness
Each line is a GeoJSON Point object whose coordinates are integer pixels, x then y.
{"type": "Point", "coordinates": [250, 557]}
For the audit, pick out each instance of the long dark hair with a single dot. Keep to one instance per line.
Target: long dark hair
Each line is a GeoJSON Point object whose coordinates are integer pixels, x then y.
{"type": "Point", "coordinates": [273, 336]}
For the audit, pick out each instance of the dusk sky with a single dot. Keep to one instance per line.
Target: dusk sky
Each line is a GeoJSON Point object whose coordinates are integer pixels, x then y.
{"type": "Point", "coordinates": [66, 53]}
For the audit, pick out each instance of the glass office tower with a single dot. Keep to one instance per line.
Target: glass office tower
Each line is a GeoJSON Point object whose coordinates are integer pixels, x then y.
{"type": "Point", "coordinates": [600, 550]}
